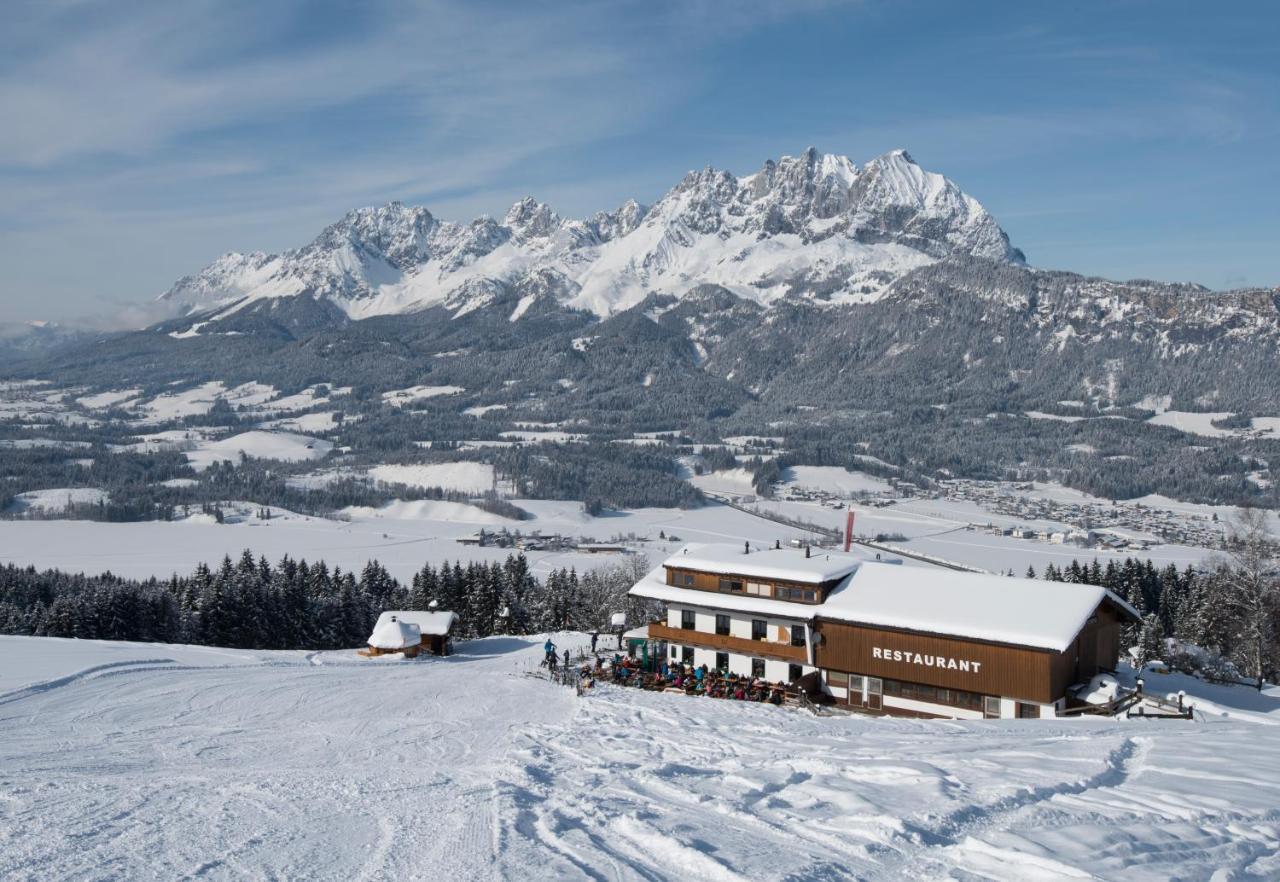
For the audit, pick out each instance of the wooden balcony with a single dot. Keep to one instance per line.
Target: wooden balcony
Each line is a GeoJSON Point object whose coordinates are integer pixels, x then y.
{"type": "Point", "coordinates": [725, 643]}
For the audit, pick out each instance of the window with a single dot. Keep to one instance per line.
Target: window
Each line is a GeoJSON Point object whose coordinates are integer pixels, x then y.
{"type": "Point", "coordinates": [808, 595]}
{"type": "Point", "coordinates": [674, 654]}
{"type": "Point", "coordinates": [731, 585]}
{"type": "Point", "coordinates": [794, 673]}
{"type": "Point", "coordinates": [686, 655]}
{"type": "Point", "coordinates": [757, 667]}
{"type": "Point", "coordinates": [687, 578]}
{"type": "Point", "coordinates": [722, 625]}
{"type": "Point", "coordinates": [759, 629]}
{"type": "Point", "coordinates": [687, 619]}
{"type": "Point", "coordinates": [1028, 711]}
{"type": "Point", "coordinates": [722, 661]}
{"type": "Point", "coordinates": [837, 678]}
{"type": "Point", "coordinates": [991, 707]}
{"type": "Point", "coordinates": [761, 588]}
{"type": "Point", "coordinates": [797, 635]}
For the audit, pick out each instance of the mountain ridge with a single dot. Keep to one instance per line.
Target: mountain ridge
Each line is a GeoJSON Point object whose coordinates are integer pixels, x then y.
{"type": "Point", "coordinates": [813, 226]}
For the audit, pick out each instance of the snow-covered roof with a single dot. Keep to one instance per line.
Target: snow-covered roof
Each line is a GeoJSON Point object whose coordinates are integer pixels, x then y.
{"type": "Point", "coordinates": [1002, 609]}
{"type": "Point", "coordinates": [786, 564]}
{"type": "Point", "coordinates": [395, 635]}
{"type": "Point", "coordinates": [641, 633]}
{"type": "Point", "coordinates": [434, 624]}
{"type": "Point", "coordinates": [654, 586]}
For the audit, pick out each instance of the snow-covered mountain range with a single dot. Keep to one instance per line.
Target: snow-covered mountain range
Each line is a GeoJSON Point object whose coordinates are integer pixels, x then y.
{"type": "Point", "coordinates": [812, 227]}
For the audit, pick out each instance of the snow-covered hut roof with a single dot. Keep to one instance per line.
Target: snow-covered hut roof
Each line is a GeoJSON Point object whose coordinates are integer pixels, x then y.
{"type": "Point", "coordinates": [435, 623]}
{"type": "Point", "coordinates": [390, 634]}
{"type": "Point", "coordinates": [786, 564]}
{"type": "Point", "coordinates": [654, 586]}
{"type": "Point", "coordinates": [1002, 609]}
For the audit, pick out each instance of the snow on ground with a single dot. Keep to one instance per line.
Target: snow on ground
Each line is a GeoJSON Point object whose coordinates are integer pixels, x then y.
{"type": "Point", "coordinates": [285, 446]}
{"type": "Point", "coordinates": [429, 510]}
{"type": "Point", "coordinates": [104, 400]}
{"type": "Point", "coordinates": [736, 482]}
{"type": "Point", "coordinates": [161, 548]}
{"type": "Point", "coordinates": [401, 397]}
{"type": "Point", "coordinates": [1194, 423]}
{"type": "Point", "coordinates": [937, 527]}
{"type": "Point", "coordinates": [56, 499]}
{"type": "Point", "coordinates": [176, 762]}
{"type": "Point", "coordinates": [324, 421]}
{"type": "Point", "coordinates": [833, 479]}
{"type": "Point", "coordinates": [481, 410]}
{"type": "Point", "coordinates": [536, 437]}
{"type": "Point", "coordinates": [465, 477]}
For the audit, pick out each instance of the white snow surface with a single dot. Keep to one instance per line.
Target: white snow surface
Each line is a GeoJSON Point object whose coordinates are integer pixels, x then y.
{"type": "Point", "coordinates": [132, 761]}
{"type": "Point", "coordinates": [394, 634]}
{"type": "Point", "coordinates": [789, 564]}
{"type": "Point", "coordinates": [466, 477]}
{"type": "Point", "coordinates": [285, 446]}
{"type": "Point", "coordinates": [57, 499]}
{"type": "Point", "coordinates": [435, 624]}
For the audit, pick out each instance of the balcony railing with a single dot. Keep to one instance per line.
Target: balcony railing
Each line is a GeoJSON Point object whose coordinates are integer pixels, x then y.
{"type": "Point", "coordinates": [726, 643]}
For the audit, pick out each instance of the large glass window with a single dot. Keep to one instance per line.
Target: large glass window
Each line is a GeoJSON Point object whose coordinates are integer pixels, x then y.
{"type": "Point", "coordinates": [757, 667]}
{"type": "Point", "coordinates": [688, 621]}
{"type": "Point", "coordinates": [1028, 711]}
{"type": "Point", "coordinates": [797, 635]}
{"type": "Point", "coordinates": [722, 625]}
{"type": "Point", "coordinates": [837, 678]}
{"type": "Point", "coordinates": [991, 707]}
{"type": "Point", "coordinates": [687, 578]}
{"type": "Point", "coordinates": [731, 585]}
{"type": "Point", "coordinates": [759, 629]}
{"type": "Point", "coordinates": [761, 588]}
{"type": "Point", "coordinates": [686, 655]}
{"type": "Point", "coordinates": [722, 661]}
{"type": "Point", "coordinates": [794, 673]}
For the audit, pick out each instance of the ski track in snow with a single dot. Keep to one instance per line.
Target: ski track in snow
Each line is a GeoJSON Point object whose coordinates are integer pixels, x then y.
{"type": "Point", "coordinates": [191, 763]}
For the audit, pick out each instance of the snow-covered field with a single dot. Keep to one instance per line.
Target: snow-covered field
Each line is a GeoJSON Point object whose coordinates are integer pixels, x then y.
{"type": "Point", "coordinates": [130, 761]}
{"type": "Point", "coordinates": [286, 446]}
{"type": "Point", "coordinates": [466, 477]}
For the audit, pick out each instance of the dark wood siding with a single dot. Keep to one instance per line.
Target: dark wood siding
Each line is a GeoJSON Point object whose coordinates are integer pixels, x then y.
{"type": "Point", "coordinates": [725, 643]}
{"type": "Point", "coordinates": [711, 582]}
{"type": "Point", "coordinates": [1008, 671]}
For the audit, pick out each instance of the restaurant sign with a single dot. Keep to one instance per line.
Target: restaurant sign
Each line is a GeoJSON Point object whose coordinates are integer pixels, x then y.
{"type": "Point", "coordinates": [941, 662]}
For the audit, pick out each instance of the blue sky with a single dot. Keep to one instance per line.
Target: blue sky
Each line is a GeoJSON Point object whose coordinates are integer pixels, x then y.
{"type": "Point", "coordinates": [140, 141]}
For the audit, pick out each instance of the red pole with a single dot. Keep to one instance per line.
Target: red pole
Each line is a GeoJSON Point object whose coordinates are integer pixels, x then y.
{"type": "Point", "coordinates": [848, 531]}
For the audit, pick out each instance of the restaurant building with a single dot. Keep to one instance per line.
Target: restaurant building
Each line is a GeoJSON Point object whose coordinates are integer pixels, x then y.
{"type": "Point", "coordinates": [887, 638]}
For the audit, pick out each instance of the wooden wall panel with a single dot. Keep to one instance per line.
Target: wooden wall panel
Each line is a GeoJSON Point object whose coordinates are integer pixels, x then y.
{"type": "Point", "coordinates": [1007, 671]}
{"type": "Point", "coordinates": [725, 643]}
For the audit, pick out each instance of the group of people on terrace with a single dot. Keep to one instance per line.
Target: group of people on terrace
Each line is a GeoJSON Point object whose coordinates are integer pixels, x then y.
{"type": "Point", "coordinates": [690, 679]}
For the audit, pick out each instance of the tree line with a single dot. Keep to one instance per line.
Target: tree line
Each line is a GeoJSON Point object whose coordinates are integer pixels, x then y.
{"type": "Point", "coordinates": [1223, 617]}
{"type": "Point", "coordinates": [250, 604]}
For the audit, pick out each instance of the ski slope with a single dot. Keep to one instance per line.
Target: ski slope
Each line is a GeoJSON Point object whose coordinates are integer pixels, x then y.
{"type": "Point", "coordinates": [152, 761]}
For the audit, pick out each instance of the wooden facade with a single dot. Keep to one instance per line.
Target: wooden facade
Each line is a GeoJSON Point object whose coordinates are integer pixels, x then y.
{"type": "Point", "coordinates": [727, 643]}
{"type": "Point", "coordinates": [983, 667]}
{"type": "Point", "coordinates": [696, 580]}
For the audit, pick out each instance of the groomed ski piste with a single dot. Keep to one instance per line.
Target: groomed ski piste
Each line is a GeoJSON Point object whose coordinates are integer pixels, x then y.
{"type": "Point", "coordinates": [149, 761]}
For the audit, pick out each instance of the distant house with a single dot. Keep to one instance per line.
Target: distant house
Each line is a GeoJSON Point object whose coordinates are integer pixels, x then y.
{"type": "Point", "coordinates": [434, 627]}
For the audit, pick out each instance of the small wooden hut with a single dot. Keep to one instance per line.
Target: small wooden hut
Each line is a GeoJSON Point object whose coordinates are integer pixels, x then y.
{"type": "Point", "coordinates": [435, 627]}
{"type": "Point", "coordinates": [392, 635]}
